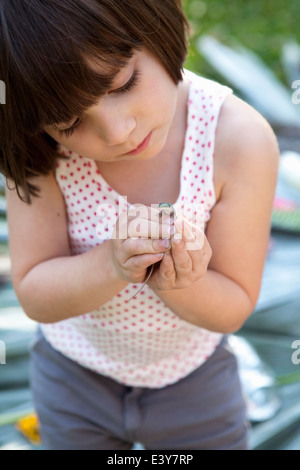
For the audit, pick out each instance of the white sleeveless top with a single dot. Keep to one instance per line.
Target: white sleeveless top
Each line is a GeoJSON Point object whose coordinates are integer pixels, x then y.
{"type": "Point", "coordinates": [140, 343]}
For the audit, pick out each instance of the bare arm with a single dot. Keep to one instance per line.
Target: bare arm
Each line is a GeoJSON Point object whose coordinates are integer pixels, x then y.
{"type": "Point", "coordinates": [246, 160]}
{"type": "Point", "coordinates": [51, 284]}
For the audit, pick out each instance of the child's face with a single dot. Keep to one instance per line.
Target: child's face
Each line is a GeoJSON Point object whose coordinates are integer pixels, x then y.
{"type": "Point", "coordinates": [131, 121]}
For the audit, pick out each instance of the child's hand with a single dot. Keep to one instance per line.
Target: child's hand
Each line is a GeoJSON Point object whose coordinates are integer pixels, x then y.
{"type": "Point", "coordinates": [186, 262]}
{"type": "Point", "coordinates": [137, 242]}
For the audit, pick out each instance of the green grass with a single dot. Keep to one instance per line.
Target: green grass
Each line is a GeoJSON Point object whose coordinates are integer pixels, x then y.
{"type": "Point", "coordinates": [260, 25]}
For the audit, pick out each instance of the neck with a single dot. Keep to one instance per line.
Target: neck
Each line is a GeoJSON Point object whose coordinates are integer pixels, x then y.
{"type": "Point", "coordinates": [176, 136]}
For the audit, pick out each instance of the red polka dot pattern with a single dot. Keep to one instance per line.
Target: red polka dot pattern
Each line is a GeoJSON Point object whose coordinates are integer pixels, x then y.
{"type": "Point", "coordinates": [139, 343]}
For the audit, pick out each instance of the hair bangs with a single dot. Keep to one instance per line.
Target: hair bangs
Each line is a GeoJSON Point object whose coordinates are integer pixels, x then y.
{"type": "Point", "coordinates": [58, 57]}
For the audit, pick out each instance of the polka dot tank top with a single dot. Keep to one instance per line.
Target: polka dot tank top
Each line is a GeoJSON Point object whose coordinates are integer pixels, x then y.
{"type": "Point", "coordinates": [140, 342]}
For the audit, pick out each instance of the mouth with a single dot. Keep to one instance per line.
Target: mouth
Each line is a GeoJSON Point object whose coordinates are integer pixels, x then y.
{"type": "Point", "coordinates": [143, 145]}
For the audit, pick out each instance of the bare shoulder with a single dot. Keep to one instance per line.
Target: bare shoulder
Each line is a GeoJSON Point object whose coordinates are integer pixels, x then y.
{"type": "Point", "coordinates": [49, 203]}
{"type": "Point", "coordinates": [245, 144]}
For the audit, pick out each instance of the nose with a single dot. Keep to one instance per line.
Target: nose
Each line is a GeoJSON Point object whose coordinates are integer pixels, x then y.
{"type": "Point", "coordinates": [114, 123]}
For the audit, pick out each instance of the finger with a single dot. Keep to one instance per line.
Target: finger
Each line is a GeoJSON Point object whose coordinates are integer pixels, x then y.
{"type": "Point", "coordinates": [187, 261]}
{"type": "Point", "coordinates": [198, 255]}
{"type": "Point", "coordinates": [135, 211]}
{"type": "Point", "coordinates": [186, 248]}
{"type": "Point", "coordinates": [145, 221]}
{"type": "Point", "coordinates": [182, 260]}
{"type": "Point", "coordinates": [148, 229]}
{"type": "Point", "coordinates": [138, 246]}
{"type": "Point", "coordinates": [192, 235]}
{"type": "Point", "coordinates": [167, 267]}
{"type": "Point", "coordinates": [140, 228]}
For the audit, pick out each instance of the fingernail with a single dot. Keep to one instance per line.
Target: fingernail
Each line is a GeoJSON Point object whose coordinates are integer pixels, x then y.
{"type": "Point", "coordinates": [177, 241]}
{"type": "Point", "coordinates": [165, 243]}
{"type": "Point", "coordinates": [160, 244]}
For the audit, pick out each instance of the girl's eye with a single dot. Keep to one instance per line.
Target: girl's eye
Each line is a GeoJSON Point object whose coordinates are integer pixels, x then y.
{"type": "Point", "coordinates": [68, 132]}
{"type": "Point", "coordinates": [132, 82]}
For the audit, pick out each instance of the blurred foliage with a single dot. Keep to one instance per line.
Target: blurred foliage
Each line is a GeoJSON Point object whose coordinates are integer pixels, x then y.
{"type": "Point", "coordinates": [260, 25]}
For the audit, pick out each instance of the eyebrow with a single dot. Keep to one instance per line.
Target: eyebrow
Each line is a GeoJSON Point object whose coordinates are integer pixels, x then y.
{"type": "Point", "coordinates": [67, 125]}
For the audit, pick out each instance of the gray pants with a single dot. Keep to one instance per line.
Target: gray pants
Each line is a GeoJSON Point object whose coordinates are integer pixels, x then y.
{"type": "Point", "coordinates": [80, 409]}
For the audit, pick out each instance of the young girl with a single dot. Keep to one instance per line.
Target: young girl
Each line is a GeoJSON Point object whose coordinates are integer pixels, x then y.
{"type": "Point", "coordinates": [101, 125]}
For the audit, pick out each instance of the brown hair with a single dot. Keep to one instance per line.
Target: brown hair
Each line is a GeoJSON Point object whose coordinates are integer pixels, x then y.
{"type": "Point", "coordinates": [44, 47]}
